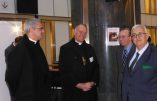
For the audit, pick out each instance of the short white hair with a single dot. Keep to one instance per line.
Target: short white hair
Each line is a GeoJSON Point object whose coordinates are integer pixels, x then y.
{"type": "Point", "coordinates": [30, 23]}
{"type": "Point", "coordinates": [76, 28]}
{"type": "Point", "coordinates": [139, 26]}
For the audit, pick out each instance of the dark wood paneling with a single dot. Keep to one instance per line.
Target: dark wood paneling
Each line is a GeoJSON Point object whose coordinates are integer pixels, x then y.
{"type": "Point", "coordinates": [76, 12]}
{"type": "Point", "coordinates": [137, 12]}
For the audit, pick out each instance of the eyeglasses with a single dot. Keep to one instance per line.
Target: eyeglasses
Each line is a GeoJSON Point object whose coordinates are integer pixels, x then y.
{"type": "Point", "coordinates": [139, 35]}
{"type": "Point", "coordinates": [40, 28]}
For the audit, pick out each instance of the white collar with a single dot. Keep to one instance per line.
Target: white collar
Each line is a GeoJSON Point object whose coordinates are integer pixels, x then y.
{"type": "Point", "coordinates": [32, 40]}
{"type": "Point", "coordinates": [140, 53]}
{"type": "Point", "coordinates": [143, 49]}
{"type": "Point", "coordinates": [79, 43]}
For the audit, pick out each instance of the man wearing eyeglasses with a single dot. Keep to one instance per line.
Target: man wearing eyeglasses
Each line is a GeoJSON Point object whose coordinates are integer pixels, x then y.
{"type": "Point", "coordinates": [125, 51]}
{"type": "Point", "coordinates": [140, 77]}
{"type": "Point", "coordinates": [27, 72]}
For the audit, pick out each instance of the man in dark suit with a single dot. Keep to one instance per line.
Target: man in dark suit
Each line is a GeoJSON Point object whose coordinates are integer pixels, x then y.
{"type": "Point", "coordinates": [79, 68]}
{"type": "Point", "coordinates": [125, 51]}
{"type": "Point", "coordinates": [27, 72]}
{"type": "Point", "coordinates": [140, 76]}
{"type": "Point", "coordinates": [9, 49]}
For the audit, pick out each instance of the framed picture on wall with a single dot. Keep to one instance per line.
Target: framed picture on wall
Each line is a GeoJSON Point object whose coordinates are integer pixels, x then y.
{"type": "Point", "coordinates": [112, 36]}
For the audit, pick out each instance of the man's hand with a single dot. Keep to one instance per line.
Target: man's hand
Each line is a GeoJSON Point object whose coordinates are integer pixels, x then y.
{"type": "Point", "coordinates": [85, 86]}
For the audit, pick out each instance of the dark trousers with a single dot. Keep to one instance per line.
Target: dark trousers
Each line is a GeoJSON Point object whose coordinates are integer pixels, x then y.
{"type": "Point", "coordinates": [56, 94]}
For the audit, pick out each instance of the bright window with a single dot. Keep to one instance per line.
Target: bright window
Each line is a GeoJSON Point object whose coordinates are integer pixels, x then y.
{"type": "Point", "coordinates": [150, 6]}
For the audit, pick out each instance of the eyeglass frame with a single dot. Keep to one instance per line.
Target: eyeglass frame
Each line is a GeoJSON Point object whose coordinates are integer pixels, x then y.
{"type": "Point", "coordinates": [40, 28]}
{"type": "Point", "coordinates": [134, 35]}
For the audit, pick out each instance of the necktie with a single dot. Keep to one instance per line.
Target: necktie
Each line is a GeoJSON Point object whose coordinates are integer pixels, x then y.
{"type": "Point", "coordinates": [134, 62]}
{"type": "Point", "coordinates": [124, 56]}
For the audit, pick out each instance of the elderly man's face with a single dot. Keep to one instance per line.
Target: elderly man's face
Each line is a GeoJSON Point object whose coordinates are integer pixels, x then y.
{"type": "Point", "coordinates": [80, 33]}
{"type": "Point", "coordinates": [139, 37]}
{"type": "Point", "coordinates": [38, 31]}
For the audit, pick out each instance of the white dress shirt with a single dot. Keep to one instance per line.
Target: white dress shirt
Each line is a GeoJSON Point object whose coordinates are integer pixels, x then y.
{"type": "Point", "coordinates": [79, 43]}
{"type": "Point", "coordinates": [140, 53]}
{"type": "Point", "coordinates": [32, 40]}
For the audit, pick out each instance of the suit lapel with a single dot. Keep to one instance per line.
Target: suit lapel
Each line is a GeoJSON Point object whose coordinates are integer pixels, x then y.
{"type": "Point", "coordinates": [145, 56]}
{"type": "Point", "coordinates": [131, 52]}
{"type": "Point", "coordinates": [120, 53]}
{"type": "Point", "coordinates": [130, 55]}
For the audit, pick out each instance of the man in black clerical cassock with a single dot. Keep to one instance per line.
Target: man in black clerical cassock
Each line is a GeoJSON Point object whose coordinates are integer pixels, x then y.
{"type": "Point", "coordinates": [27, 72]}
{"type": "Point", "coordinates": [79, 68]}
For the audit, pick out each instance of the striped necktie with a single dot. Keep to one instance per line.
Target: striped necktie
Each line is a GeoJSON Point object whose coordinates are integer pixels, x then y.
{"type": "Point", "coordinates": [124, 56]}
{"type": "Point", "coordinates": [134, 62]}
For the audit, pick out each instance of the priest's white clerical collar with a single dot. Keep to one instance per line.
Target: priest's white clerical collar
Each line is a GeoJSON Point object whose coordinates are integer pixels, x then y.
{"type": "Point", "coordinates": [79, 43]}
{"type": "Point", "coordinates": [33, 40]}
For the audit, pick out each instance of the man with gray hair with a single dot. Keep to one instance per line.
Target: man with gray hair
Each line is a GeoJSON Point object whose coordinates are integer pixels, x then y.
{"type": "Point", "coordinates": [79, 68]}
{"type": "Point", "coordinates": [140, 76]}
{"type": "Point", "coordinates": [27, 73]}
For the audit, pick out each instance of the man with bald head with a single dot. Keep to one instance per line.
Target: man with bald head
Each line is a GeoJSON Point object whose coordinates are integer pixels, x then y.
{"type": "Point", "coordinates": [140, 76]}
{"type": "Point", "coordinates": [79, 68]}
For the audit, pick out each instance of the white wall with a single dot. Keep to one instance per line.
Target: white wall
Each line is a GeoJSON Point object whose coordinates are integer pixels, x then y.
{"type": "Point", "coordinates": [61, 8]}
{"type": "Point", "coordinates": [45, 7]}
{"type": "Point", "coordinates": [7, 6]}
{"type": "Point", "coordinates": [54, 8]}
{"type": "Point", "coordinates": [61, 35]}
{"type": "Point", "coordinates": [6, 37]}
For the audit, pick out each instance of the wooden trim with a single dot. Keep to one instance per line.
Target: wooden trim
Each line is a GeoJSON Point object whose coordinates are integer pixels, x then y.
{"type": "Point", "coordinates": [53, 43]}
{"type": "Point", "coordinates": [15, 16]}
{"type": "Point", "coordinates": [56, 18]}
{"type": "Point", "coordinates": [148, 14]}
{"type": "Point", "coordinates": [26, 16]}
{"type": "Point", "coordinates": [71, 32]}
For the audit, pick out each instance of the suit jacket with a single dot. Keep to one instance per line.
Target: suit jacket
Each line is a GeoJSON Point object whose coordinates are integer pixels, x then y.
{"type": "Point", "coordinates": [141, 83]}
{"type": "Point", "coordinates": [26, 74]}
{"type": "Point", "coordinates": [121, 67]}
{"type": "Point", "coordinates": [73, 72]}
{"type": "Point", "coordinates": [8, 50]}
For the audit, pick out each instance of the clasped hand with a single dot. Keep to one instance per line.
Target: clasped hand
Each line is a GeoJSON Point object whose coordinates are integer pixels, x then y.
{"type": "Point", "coordinates": [85, 86]}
